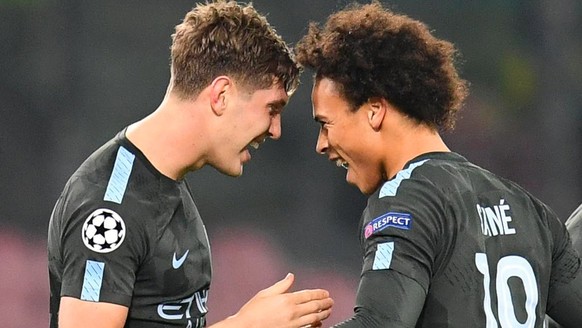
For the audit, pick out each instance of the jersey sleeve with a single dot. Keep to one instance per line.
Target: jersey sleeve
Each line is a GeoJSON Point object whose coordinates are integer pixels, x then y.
{"type": "Point", "coordinates": [565, 294]}
{"type": "Point", "coordinates": [400, 239]}
{"type": "Point", "coordinates": [401, 230]}
{"type": "Point", "coordinates": [102, 246]}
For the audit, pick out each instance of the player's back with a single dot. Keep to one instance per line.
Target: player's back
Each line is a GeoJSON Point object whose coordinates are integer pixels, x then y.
{"type": "Point", "coordinates": [481, 246]}
{"type": "Point", "coordinates": [495, 264]}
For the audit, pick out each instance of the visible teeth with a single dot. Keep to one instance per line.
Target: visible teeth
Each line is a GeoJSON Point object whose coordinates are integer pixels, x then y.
{"type": "Point", "coordinates": [254, 144]}
{"type": "Point", "coordinates": [341, 163]}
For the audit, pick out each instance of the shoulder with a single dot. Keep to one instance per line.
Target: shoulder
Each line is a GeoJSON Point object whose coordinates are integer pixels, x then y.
{"type": "Point", "coordinates": [114, 183]}
{"type": "Point", "coordinates": [432, 171]}
{"type": "Point", "coordinates": [410, 203]}
{"type": "Point", "coordinates": [408, 190]}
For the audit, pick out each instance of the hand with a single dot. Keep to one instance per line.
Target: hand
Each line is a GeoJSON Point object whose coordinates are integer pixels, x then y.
{"type": "Point", "coordinates": [274, 307]}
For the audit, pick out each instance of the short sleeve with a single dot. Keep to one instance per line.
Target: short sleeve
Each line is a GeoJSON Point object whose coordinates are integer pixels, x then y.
{"type": "Point", "coordinates": [565, 258]}
{"type": "Point", "coordinates": [401, 231]}
{"type": "Point", "coordinates": [102, 247]}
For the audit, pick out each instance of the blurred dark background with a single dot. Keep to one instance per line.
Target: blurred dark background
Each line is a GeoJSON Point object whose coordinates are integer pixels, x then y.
{"type": "Point", "coordinates": [74, 73]}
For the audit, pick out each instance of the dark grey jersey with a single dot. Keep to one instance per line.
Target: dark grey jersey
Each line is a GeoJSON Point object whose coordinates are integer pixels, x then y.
{"type": "Point", "coordinates": [123, 233]}
{"type": "Point", "coordinates": [574, 225]}
{"type": "Point", "coordinates": [484, 251]}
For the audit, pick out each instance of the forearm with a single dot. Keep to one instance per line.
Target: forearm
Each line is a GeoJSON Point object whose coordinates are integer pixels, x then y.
{"type": "Point", "coordinates": [386, 299]}
{"type": "Point", "coordinates": [230, 322]}
{"type": "Point", "coordinates": [364, 318]}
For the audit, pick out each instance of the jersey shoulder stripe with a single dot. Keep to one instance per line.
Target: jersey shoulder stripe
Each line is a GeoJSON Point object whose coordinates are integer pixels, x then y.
{"type": "Point", "coordinates": [119, 176]}
{"type": "Point", "coordinates": [390, 188]}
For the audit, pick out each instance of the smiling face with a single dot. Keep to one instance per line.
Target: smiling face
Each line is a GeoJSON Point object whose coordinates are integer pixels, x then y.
{"type": "Point", "coordinates": [347, 137]}
{"type": "Point", "coordinates": [251, 118]}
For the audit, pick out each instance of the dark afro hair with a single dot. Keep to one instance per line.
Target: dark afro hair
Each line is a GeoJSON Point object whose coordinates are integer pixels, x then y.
{"type": "Point", "coordinates": [370, 51]}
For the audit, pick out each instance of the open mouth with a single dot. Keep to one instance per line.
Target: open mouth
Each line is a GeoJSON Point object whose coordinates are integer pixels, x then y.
{"type": "Point", "coordinates": [341, 163]}
{"type": "Point", "coordinates": [254, 144]}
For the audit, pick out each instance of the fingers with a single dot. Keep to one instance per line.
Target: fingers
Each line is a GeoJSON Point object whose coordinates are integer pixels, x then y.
{"type": "Point", "coordinates": [312, 311]}
{"type": "Point", "coordinates": [316, 306]}
{"type": "Point", "coordinates": [305, 308]}
{"type": "Point", "coordinates": [279, 287]}
{"type": "Point", "coordinates": [308, 295]}
{"type": "Point", "coordinates": [313, 325]}
{"type": "Point", "coordinates": [313, 319]}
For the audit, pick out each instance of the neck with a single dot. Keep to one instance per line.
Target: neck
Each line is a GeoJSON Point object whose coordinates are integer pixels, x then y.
{"type": "Point", "coordinates": [412, 142]}
{"type": "Point", "coordinates": [170, 138]}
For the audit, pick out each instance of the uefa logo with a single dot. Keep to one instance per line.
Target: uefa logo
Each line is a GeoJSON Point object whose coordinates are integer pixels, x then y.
{"type": "Point", "coordinates": [103, 231]}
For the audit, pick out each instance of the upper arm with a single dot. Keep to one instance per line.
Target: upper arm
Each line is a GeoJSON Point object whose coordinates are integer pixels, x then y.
{"type": "Point", "coordinates": [77, 313]}
{"type": "Point", "coordinates": [400, 245]}
{"type": "Point", "coordinates": [91, 272]}
{"type": "Point", "coordinates": [565, 293]}
{"type": "Point", "coordinates": [565, 298]}
{"type": "Point", "coordinates": [566, 302]}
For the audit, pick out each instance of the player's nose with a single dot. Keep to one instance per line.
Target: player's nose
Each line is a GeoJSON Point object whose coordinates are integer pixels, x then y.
{"type": "Point", "coordinates": [275, 127]}
{"type": "Point", "coordinates": [322, 143]}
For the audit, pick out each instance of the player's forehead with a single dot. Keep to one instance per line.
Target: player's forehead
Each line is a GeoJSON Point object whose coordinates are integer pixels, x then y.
{"type": "Point", "coordinates": [326, 99]}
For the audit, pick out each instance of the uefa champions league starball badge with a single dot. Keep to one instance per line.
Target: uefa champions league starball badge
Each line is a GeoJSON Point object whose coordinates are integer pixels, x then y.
{"type": "Point", "coordinates": [103, 231]}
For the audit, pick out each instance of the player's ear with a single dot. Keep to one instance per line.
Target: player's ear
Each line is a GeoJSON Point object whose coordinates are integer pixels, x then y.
{"type": "Point", "coordinates": [219, 89]}
{"type": "Point", "coordinates": [376, 108]}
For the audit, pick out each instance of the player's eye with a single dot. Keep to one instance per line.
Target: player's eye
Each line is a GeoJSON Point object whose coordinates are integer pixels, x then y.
{"type": "Point", "coordinates": [322, 123]}
{"type": "Point", "coordinates": [274, 110]}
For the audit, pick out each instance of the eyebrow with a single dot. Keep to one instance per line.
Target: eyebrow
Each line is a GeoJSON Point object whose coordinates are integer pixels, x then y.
{"type": "Point", "coordinates": [278, 104]}
{"type": "Point", "coordinates": [318, 118]}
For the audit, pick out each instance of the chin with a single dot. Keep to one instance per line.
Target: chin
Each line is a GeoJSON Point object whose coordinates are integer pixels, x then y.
{"type": "Point", "coordinates": [236, 173]}
{"type": "Point", "coordinates": [366, 188]}
{"type": "Point", "coordinates": [366, 191]}
{"type": "Point", "coordinates": [362, 189]}
{"type": "Point", "coordinates": [231, 171]}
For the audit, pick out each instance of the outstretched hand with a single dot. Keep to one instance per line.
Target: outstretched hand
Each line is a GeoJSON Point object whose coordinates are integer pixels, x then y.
{"type": "Point", "coordinates": [275, 307]}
